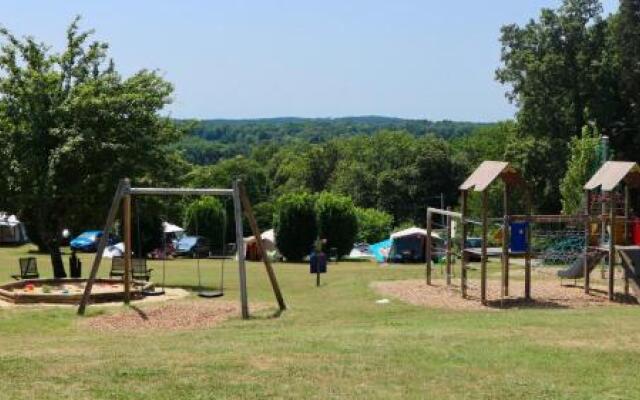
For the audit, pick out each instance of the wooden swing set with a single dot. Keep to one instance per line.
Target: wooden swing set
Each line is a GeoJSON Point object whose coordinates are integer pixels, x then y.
{"type": "Point", "coordinates": [241, 204]}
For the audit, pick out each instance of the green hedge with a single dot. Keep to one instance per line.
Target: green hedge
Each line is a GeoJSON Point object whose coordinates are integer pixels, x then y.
{"type": "Point", "coordinates": [295, 225]}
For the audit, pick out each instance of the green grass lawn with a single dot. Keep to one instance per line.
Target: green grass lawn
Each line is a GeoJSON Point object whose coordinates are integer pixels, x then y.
{"type": "Point", "coordinates": [333, 342]}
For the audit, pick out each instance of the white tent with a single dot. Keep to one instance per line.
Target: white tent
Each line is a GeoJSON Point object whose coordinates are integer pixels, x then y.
{"type": "Point", "coordinates": [12, 230]}
{"type": "Point", "coordinates": [117, 250]}
{"type": "Point", "coordinates": [414, 231]}
{"type": "Point", "coordinates": [168, 227]}
{"type": "Point", "coordinates": [268, 241]}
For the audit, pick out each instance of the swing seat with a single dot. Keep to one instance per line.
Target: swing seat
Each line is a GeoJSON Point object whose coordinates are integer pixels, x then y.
{"type": "Point", "coordinates": [152, 292]}
{"type": "Point", "coordinates": [210, 294]}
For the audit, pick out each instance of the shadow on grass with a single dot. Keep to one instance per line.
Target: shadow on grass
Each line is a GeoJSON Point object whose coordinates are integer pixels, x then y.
{"type": "Point", "coordinates": [617, 297]}
{"type": "Point", "coordinates": [139, 311]}
{"type": "Point", "coordinates": [525, 303]}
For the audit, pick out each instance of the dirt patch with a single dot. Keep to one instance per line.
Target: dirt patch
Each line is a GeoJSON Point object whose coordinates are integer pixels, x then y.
{"type": "Point", "coordinates": [183, 315]}
{"type": "Point", "coordinates": [545, 294]}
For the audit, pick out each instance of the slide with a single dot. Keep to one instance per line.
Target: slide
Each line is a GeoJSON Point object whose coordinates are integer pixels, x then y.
{"type": "Point", "coordinates": [576, 270]}
{"type": "Point", "coordinates": [630, 258]}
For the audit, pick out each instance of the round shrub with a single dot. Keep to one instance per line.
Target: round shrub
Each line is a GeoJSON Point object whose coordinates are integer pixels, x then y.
{"type": "Point", "coordinates": [373, 225]}
{"type": "Point", "coordinates": [295, 225]}
{"type": "Point", "coordinates": [206, 217]}
{"type": "Point", "coordinates": [337, 221]}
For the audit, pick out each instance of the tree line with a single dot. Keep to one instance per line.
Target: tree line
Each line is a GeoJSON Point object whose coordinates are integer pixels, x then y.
{"type": "Point", "coordinates": [71, 126]}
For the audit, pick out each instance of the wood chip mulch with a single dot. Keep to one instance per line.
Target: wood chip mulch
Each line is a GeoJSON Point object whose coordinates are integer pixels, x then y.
{"type": "Point", "coordinates": [182, 315]}
{"type": "Point", "coordinates": [545, 294]}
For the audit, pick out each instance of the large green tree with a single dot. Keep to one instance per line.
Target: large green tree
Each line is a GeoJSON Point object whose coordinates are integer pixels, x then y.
{"type": "Point", "coordinates": [583, 163]}
{"type": "Point", "coordinates": [625, 135]}
{"type": "Point", "coordinates": [551, 69]}
{"type": "Point", "coordinates": [71, 127]}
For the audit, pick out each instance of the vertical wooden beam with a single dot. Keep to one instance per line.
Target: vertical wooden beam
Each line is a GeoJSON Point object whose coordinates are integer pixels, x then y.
{"type": "Point", "coordinates": [126, 216]}
{"type": "Point", "coordinates": [463, 241]}
{"type": "Point", "coordinates": [428, 251]}
{"type": "Point", "coordinates": [448, 269]}
{"type": "Point", "coordinates": [248, 212]}
{"type": "Point", "coordinates": [612, 243]}
{"type": "Point", "coordinates": [483, 252]}
{"type": "Point", "coordinates": [242, 271]}
{"type": "Point", "coordinates": [626, 233]}
{"type": "Point", "coordinates": [587, 238]}
{"type": "Point", "coordinates": [527, 255]}
{"type": "Point", "coordinates": [505, 242]}
{"type": "Point", "coordinates": [626, 214]}
{"type": "Point", "coordinates": [123, 187]}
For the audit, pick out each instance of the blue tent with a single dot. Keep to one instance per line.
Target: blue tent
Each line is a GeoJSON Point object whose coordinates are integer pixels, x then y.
{"type": "Point", "coordinates": [380, 250]}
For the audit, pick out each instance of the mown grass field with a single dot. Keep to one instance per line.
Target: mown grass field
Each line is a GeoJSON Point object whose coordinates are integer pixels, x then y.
{"type": "Point", "coordinates": [333, 342]}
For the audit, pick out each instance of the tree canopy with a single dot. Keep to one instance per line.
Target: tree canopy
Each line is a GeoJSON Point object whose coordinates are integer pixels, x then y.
{"type": "Point", "coordinates": [71, 126]}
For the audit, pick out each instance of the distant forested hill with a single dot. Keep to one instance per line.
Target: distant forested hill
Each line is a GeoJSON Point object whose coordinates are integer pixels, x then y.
{"type": "Point", "coordinates": [212, 140]}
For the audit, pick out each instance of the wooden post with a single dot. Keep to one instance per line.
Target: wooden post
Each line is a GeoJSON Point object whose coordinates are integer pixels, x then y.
{"type": "Point", "coordinates": [126, 216]}
{"type": "Point", "coordinates": [527, 255]}
{"type": "Point", "coordinates": [626, 233]}
{"type": "Point", "coordinates": [626, 214]}
{"type": "Point", "coordinates": [123, 187]}
{"type": "Point", "coordinates": [587, 238]}
{"type": "Point", "coordinates": [248, 212]}
{"type": "Point", "coordinates": [428, 250]}
{"type": "Point", "coordinates": [463, 240]}
{"type": "Point", "coordinates": [612, 244]}
{"type": "Point", "coordinates": [483, 252]}
{"type": "Point", "coordinates": [448, 268]}
{"type": "Point", "coordinates": [505, 242]}
{"type": "Point", "coordinates": [237, 211]}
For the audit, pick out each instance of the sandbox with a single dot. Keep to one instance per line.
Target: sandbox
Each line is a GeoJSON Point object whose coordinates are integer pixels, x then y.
{"type": "Point", "coordinates": [69, 291]}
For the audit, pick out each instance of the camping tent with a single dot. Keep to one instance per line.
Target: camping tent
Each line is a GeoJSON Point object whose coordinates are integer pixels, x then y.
{"type": "Point", "coordinates": [168, 227]}
{"type": "Point", "coordinates": [116, 250]}
{"type": "Point", "coordinates": [408, 245]}
{"type": "Point", "coordinates": [251, 248]}
{"type": "Point", "coordinates": [380, 250]}
{"type": "Point", "coordinates": [12, 231]}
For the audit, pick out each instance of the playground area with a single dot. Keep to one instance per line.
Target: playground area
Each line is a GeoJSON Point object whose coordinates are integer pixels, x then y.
{"type": "Point", "coordinates": [548, 293]}
{"type": "Point", "coordinates": [335, 340]}
{"type": "Point", "coordinates": [530, 291]}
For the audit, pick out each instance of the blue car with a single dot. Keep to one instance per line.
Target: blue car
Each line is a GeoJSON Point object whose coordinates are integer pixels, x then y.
{"type": "Point", "coordinates": [88, 241]}
{"type": "Point", "coordinates": [193, 246]}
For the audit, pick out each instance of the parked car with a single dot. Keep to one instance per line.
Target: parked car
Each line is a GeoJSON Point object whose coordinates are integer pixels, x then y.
{"type": "Point", "coordinates": [193, 246]}
{"type": "Point", "coordinates": [88, 241]}
{"type": "Point", "coordinates": [473, 242]}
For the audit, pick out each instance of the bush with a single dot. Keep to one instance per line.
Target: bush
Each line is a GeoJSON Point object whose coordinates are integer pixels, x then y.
{"type": "Point", "coordinates": [206, 217]}
{"type": "Point", "coordinates": [337, 221]}
{"type": "Point", "coordinates": [295, 225]}
{"type": "Point", "coordinates": [263, 212]}
{"type": "Point", "coordinates": [373, 225]}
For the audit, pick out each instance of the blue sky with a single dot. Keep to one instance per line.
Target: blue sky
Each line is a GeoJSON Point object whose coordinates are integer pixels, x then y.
{"type": "Point", "coordinates": [430, 59]}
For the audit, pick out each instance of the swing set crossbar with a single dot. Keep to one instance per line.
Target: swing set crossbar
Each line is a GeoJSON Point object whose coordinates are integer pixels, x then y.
{"type": "Point", "coordinates": [178, 192]}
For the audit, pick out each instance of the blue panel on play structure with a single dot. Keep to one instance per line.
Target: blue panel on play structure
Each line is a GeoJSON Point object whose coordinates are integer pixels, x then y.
{"type": "Point", "coordinates": [519, 237]}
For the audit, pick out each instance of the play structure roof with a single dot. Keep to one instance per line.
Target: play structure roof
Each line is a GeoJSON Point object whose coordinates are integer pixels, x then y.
{"type": "Point", "coordinates": [487, 173]}
{"type": "Point", "coordinates": [612, 173]}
